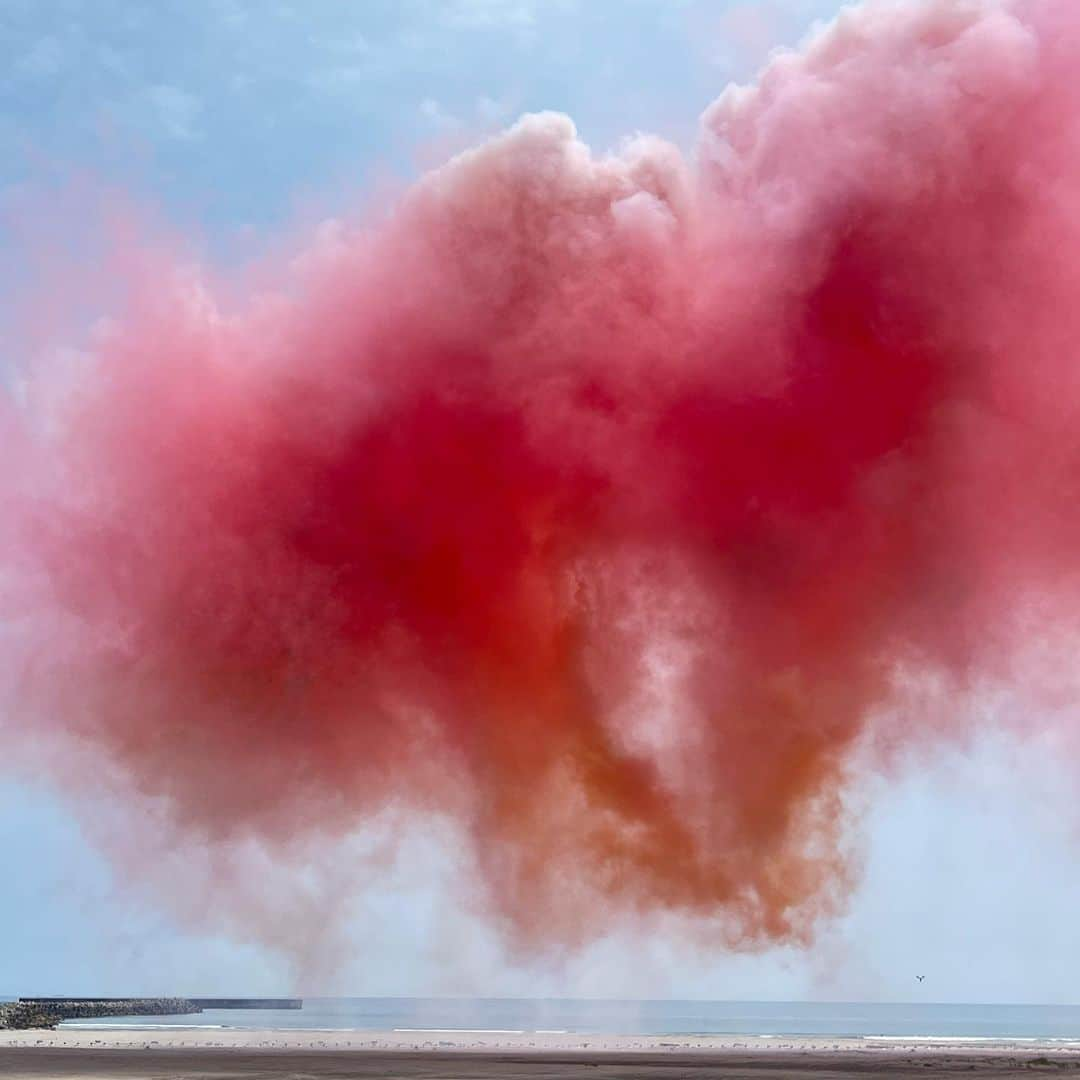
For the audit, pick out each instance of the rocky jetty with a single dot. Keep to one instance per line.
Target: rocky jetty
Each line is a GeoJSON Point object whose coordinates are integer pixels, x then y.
{"type": "Point", "coordinates": [47, 1013]}
{"type": "Point", "coordinates": [25, 1014]}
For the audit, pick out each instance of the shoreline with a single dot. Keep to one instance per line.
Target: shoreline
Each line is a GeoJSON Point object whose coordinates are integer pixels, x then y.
{"type": "Point", "coordinates": [426, 1040]}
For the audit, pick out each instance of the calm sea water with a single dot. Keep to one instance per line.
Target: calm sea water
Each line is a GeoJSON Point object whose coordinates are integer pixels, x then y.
{"type": "Point", "coordinates": [644, 1018]}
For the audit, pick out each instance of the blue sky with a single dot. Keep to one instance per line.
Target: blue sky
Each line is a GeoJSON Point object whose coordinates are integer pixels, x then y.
{"type": "Point", "coordinates": [235, 110]}
{"type": "Point", "coordinates": [238, 118]}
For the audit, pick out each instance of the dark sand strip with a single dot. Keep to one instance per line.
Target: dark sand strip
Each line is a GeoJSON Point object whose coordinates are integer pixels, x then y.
{"type": "Point", "coordinates": [50, 1063]}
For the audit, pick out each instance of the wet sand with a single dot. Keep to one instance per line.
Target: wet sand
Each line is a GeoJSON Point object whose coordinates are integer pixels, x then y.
{"type": "Point", "coordinates": [228, 1054]}
{"type": "Point", "coordinates": [175, 1064]}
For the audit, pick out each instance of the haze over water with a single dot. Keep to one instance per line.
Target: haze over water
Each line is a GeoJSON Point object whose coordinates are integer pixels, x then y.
{"type": "Point", "coordinates": [434, 1016]}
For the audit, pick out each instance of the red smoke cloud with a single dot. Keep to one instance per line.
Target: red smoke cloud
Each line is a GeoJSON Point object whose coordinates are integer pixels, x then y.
{"type": "Point", "coordinates": [601, 503]}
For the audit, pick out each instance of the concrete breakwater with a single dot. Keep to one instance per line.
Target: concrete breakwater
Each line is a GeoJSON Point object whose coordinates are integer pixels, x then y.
{"type": "Point", "coordinates": [248, 1003]}
{"type": "Point", "coordinates": [48, 1012]}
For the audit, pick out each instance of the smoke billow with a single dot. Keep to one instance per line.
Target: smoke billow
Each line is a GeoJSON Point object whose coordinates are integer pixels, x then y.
{"type": "Point", "coordinates": [598, 503]}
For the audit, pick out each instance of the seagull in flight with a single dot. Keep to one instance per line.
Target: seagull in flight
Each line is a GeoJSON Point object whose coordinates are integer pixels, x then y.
{"type": "Point", "coordinates": [920, 977]}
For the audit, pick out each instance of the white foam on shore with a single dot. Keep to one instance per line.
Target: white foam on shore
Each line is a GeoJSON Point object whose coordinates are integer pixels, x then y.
{"type": "Point", "coordinates": [457, 1031]}
{"type": "Point", "coordinates": [955, 1038]}
{"type": "Point", "coordinates": [66, 1024]}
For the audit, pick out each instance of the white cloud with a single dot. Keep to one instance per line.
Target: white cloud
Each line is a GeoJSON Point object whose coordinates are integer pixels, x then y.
{"type": "Point", "coordinates": [353, 44]}
{"type": "Point", "coordinates": [113, 61]}
{"type": "Point", "coordinates": [175, 111]}
{"type": "Point", "coordinates": [44, 59]}
{"type": "Point", "coordinates": [336, 80]}
{"type": "Point", "coordinates": [437, 115]}
{"type": "Point", "coordinates": [491, 13]}
{"type": "Point", "coordinates": [486, 112]}
{"type": "Point", "coordinates": [492, 111]}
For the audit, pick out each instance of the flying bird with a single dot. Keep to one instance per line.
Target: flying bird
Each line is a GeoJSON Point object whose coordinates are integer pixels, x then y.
{"type": "Point", "coordinates": [920, 977]}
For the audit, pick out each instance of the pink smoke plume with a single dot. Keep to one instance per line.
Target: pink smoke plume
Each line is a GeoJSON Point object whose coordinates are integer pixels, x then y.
{"type": "Point", "coordinates": [599, 503]}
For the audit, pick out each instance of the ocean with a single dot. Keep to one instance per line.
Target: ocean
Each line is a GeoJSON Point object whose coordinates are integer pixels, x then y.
{"type": "Point", "coordinates": [752, 1018]}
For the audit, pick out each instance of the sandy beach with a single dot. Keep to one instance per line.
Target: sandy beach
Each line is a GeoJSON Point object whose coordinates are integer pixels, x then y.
{"type": "Point", "coordinates": [231, 1054]}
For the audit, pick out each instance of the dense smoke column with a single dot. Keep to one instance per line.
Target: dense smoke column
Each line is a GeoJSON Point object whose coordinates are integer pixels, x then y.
{"type": "Point", "coordinates": [600, 503]}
